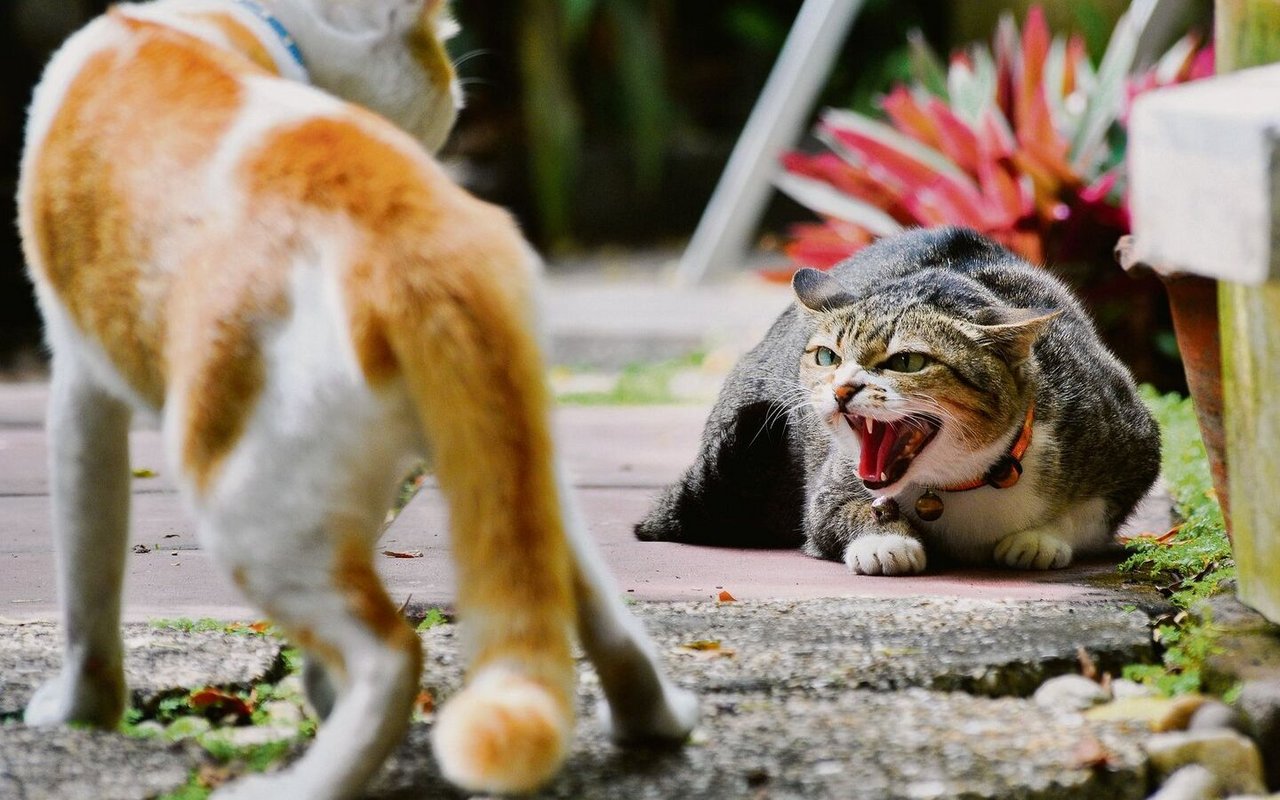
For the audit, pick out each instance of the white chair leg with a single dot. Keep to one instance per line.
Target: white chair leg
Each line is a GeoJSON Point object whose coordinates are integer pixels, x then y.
{"type": "Point", "coordinates": [783, 108]}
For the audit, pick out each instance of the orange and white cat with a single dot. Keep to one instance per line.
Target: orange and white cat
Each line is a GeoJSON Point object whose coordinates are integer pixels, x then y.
{"type": "Point", "coordinates": [225, 230]}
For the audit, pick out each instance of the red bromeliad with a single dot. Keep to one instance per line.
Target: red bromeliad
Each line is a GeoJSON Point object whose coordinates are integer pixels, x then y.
{"type": "Point", "coordinates": [1023, 142]}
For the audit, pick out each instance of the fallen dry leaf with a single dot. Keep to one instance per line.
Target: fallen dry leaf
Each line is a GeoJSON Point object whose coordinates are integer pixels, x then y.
{"type": "Point", "coordinates": [725, 597]}
{"type": "Point", "coordinates": [705, 648]}
{"type": "Point", "coordinates": [1158, 538]}
{"type": "Point", "coordinates": [402, 553]}
{"type": "Point", "coordinates": [702, 644]}
{"type": "Point", "coordinates": [143, 472]}
{"type": "Point", "coordinates": [424, 702]}
{"type": "Point", "coordinates": [1090, 753]}
{"type": "Point", "coordinates": [212, 698]}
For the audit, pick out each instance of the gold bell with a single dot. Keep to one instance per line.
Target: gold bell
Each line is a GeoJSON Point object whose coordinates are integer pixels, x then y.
{"type": "Point", "coordinates": [929, 506]}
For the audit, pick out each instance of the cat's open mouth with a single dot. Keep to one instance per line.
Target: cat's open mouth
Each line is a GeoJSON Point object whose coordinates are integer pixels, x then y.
{"type": "Point", "coordinates": [889, 446]}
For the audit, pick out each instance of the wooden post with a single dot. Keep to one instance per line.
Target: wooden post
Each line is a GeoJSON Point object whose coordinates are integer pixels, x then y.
{"type": "Point", "coordinates": [1248, 34]}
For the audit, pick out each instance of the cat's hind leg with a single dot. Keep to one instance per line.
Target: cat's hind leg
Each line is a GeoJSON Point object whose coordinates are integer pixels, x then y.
{"type": "Point", "coordinates": [641, 704]}
{"type": "Point", "coordinates": [89, 471]}
{"type": "Point", "coordinates": [476, 377]}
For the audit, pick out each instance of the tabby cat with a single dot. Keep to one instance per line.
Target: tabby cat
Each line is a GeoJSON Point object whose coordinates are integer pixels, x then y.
{"type": "Point", "coordinates": [224, 233]}
{"type": "Point", "coordinates": [935, 395]}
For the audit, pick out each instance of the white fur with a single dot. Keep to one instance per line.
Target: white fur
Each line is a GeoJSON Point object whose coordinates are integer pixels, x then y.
{"type": "Point", "coordinates": [884, 554]}
{"type": "Point", "coordinates": [640, 703]}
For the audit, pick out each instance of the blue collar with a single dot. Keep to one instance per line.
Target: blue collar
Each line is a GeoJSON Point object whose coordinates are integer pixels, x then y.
{"type": "Point", "coordinates": [281, 32]}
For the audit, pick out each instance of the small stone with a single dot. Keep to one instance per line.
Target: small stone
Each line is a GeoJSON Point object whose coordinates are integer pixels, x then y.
{"type": "Point", "coordinates": [1069, 693]}
{"type": "Point", "coordinates": [1123, 689]}
{"type": "Point", "coordinates": [1132, 709]}
{"type": "Point", "coordinates": [1260, 704]}
{"type": "Point", "coordinates": [1232, 758]}
{"type": "Point", "coordinates": [251, 735]}
{"type": "Point", "coordinates": [1192, 782]}
{"type": "Point", "coordinates": [1179, 713]}
{"type": "Point", "coordinates": [186, 727]}
{"type": "Point", "coordinates": [283, 712]}
{"type": "Point", "coordinates": [1215, 715]}
{"type": "Point", "coordinates": [148, 728]}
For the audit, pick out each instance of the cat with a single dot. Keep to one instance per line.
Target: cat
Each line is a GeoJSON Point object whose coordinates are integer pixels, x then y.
{"type": "Point", "coordinates": [233, 224]}
{"type": "Point", "coordinates": [934, 395]}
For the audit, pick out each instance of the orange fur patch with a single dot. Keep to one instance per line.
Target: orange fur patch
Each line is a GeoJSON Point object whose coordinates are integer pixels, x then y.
{"type": "Point", "coordinates": [428, 50]}
{"type": "Point", "coordinates": [100, 188]}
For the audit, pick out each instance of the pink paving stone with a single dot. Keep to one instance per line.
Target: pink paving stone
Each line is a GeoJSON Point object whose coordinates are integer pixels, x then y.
{"type": "Point", "coordinates": [619, 457]}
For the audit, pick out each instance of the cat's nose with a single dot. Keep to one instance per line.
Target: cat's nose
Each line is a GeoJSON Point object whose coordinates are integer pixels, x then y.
{"type": "Point", "coordinates": [845, 392]}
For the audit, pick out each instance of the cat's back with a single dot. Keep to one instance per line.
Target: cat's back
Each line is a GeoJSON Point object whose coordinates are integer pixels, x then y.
{"type": "Point", "coordinates": [176, 193]}
{"type": "Point", "coordinates": [955, 268]}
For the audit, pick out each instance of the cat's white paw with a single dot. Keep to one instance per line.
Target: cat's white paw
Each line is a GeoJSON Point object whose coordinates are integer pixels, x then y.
{"type": "Point", "coordinates": [62, 700]}
{"type": "Point", "coordinates": [884, 554]}
{"type": "Point", "coordinates": [671, 721]}
{"type": "Point", "coordinates": [1033, 549]}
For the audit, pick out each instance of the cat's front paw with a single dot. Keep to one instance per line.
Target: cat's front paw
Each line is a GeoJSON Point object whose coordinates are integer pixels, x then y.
{"type": "Point", "coordinates": [1033, 549]}
{"type": "Point", "coordinates": [884, 554]}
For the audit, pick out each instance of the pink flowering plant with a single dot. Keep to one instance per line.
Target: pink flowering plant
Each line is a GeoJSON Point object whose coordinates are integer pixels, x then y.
{"type": "Point", "coordinates": [1023, 141]}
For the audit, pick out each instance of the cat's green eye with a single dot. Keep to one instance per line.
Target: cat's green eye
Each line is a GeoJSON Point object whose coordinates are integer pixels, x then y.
{"type": "Point", "coordinates": [906, 362]}
{"type": "Point", "coordinates": [826, 357]}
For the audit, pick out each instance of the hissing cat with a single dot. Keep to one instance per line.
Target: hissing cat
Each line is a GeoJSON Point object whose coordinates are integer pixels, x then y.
{"type": "Point", "coordinates": [293, 285]}
{"type": "Point", "coordinates": [936, 375]}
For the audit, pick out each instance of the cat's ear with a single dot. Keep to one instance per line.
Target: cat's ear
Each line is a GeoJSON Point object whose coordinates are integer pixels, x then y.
{"type": "Point", "coordinates": [818, 291]}
{"type": "Point", "coordinates": [1011, 331]}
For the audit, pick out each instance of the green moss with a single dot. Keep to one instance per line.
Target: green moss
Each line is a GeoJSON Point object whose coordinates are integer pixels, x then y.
{"type": "Point", "coordinates": [211, 725]}
{"type": "Point", "coordinates": [1191, 565]}
{"type": "Point", "coordinates": [639, 384]}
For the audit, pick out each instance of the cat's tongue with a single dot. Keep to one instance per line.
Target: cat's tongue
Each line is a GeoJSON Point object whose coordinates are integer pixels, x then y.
{"type": "Point", "coordinates": [889, 447]}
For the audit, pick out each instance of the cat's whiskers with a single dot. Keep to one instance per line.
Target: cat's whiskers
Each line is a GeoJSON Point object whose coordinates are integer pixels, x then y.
{"type": "Point", "coordinates": [465, 57]}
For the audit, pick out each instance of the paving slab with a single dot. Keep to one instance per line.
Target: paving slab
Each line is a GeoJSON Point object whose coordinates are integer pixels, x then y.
{"type": "Point", "coordinates": [158, 662]}
{"type": "Point", "coordinates": [859, 745]}
{"type": "Point", "coordinates": [619, 457]}
{"type": "Point", "coordinates": [22, 404]}
{"type": "Point", "coordinates": [67, 764]}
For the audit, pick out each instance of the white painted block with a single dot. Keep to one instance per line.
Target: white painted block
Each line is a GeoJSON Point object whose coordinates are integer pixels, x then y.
{"type": "Point", "coordinates": [1204, 161]}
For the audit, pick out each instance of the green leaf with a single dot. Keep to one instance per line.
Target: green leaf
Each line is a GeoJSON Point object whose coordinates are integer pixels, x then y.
{"type": "Point", "coordinates": [926, 67]}
{"type": "Point", "coordinates": [433, 617]}
{"type": "Point", "coordinates": [1106, 100]}
{"type": "Point", "coordinates": [972, 87]}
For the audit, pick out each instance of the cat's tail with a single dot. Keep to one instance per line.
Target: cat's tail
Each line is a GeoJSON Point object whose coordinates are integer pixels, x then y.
{"type": "Point", "coordinates": [475, 372]}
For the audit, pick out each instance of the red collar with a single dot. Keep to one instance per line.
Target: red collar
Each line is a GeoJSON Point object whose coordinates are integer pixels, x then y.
{"type": "Point", "coordinates": [1008, 469]}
